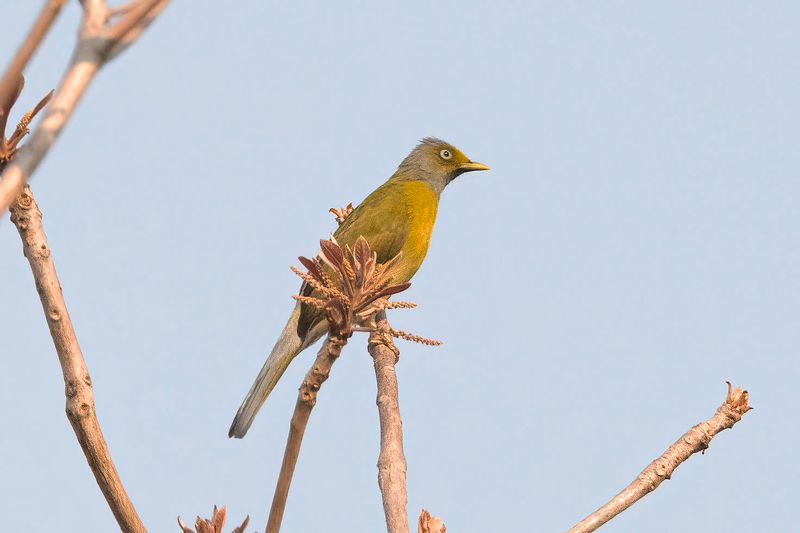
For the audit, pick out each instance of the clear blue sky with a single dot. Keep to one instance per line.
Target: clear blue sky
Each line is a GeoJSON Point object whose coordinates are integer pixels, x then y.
{"type": "Point", "coordinates": [634, 246]}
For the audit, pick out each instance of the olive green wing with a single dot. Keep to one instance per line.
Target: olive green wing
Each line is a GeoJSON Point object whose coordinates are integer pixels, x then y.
{"type": "Point", "coordinates": [382, 219]}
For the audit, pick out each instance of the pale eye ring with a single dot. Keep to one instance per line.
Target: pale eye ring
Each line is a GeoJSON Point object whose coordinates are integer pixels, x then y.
{"type": "Point", "coordinates": [446, 154]}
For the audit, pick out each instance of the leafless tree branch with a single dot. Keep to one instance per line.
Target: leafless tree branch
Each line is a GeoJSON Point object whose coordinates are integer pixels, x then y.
{"type": "Point", "coordinates": [391, 461]}
{"type": "Point", "coordinates": [306, 399]}
{"type": "Point", "coordinates": [80, 409]}
{"type": "Point", "coordinates": [695, 440]}
{"type": "Point", "coordinates": [98, 41]}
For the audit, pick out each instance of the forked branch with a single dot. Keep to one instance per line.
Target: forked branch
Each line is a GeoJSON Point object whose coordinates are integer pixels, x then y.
{"type": "Point", "coordinates": [348, 286]}
{"type": "Point", "coordinates": [99, 39]}
{"type": "Point", "coordinates": [695, 440]}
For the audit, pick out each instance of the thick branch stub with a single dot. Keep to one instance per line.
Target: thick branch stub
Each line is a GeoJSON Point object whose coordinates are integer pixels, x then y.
{"type": "Point", "coordinates": [695, 440]}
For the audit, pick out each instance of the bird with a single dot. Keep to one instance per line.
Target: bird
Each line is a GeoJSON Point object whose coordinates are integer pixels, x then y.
{"type": "Point", "coordinates": [396, 217]}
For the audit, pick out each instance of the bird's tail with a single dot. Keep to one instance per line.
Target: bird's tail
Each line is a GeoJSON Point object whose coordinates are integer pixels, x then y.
{"type": "Point", "coordinates": [289, 344]}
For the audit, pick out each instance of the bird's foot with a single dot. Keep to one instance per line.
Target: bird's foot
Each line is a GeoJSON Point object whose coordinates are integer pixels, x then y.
{"type": "Point", "coordinates": [381, 336]}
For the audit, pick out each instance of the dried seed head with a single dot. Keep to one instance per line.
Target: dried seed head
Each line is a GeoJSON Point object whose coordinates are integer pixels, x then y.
{"type": "Point", "coordinates": [213, 525]}
{"type": "Point", "coordinates": [414, 338]}
{"type": "Point", "coordinates": [350, 286]}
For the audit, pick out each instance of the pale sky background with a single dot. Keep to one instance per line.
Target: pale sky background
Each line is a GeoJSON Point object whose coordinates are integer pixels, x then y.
{"type": "Point", "coordinates": [634, 246]}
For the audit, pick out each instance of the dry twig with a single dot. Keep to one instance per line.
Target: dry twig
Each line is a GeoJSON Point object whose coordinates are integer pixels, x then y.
{"type": "Point", "coordinates": [213, 525]}
{"type": "Point", "coordinates": [695, 440]}
{"type": "Point", "coordinates": [99, 39]}
{"type": "Point", "coordinates": [80, 409]}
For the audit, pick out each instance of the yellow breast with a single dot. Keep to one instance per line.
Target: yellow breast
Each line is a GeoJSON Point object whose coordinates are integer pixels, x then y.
{"type": "Point", "coordinates": [421, 204]}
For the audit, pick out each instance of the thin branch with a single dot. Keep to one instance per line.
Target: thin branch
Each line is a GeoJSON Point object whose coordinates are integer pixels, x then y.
{"type": "Point", "coordinates": [306, 399]}
{"type": "Point", "coordinates": [121, 9]}
{"type": "Point", "coordinates": [80, 409]}
{"type": "Point", "coordinates": [142, 23]}
{"type": "Point", "coordinates": [695, 440]}
{"type": "Point", "coordinates": [12, 75]}
{"type": "Point", "coordinates": [391, 461]}
{"type": "Point", "coordinates": [135, 12]}
{"type": "Point", "coordinates": [97, 44]}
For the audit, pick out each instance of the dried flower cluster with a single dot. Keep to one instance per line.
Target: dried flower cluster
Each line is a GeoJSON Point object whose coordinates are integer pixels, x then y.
{"type": "Point", "coordinates": [350, 286]}
{"type": "Point", "coordinates": [214, 525]}
{"type": "Point", "coordinates": [342, 213]}
{"type": "Point", "coordinates": [737, 399]}
{"type": "Point", "coordinates": [430, 524]}
{"type": "Point", "coordinates": [400, 334]}
{"type": "Point", "coordinates": [8, 145]}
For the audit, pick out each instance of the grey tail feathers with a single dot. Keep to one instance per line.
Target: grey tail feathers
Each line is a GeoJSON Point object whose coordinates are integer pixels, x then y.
{"type": "Point", "coordinates": [289, 344]}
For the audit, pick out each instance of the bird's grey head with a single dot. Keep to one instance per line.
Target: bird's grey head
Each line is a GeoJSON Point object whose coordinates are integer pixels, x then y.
{"type": "Point", "coordinates": [436, 162]}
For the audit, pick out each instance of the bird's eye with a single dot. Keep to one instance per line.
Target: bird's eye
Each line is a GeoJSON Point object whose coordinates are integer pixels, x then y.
{"type": "Point", "coordinates": [445, 154]}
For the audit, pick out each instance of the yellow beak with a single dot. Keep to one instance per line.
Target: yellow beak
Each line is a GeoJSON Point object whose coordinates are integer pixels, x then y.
{"type": "Point", "coordinates": [471, 166]}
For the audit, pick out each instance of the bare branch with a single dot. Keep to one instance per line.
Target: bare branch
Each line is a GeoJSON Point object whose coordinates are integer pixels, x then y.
{"type": "Point", "coordinates": [391, 461]}
{"type": "Point", "coordinates": [97, 43]}
{"type": "Point", "coordinates": [695, 440]}
{"type": "Point", "coordinates": [80, 409]}
{"type": "Point", "coordinates": [306, 399]}
{"type": "Point", "coordinates": [61, 107]}
{"type": "Point", "coordinates": [10, 80]}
